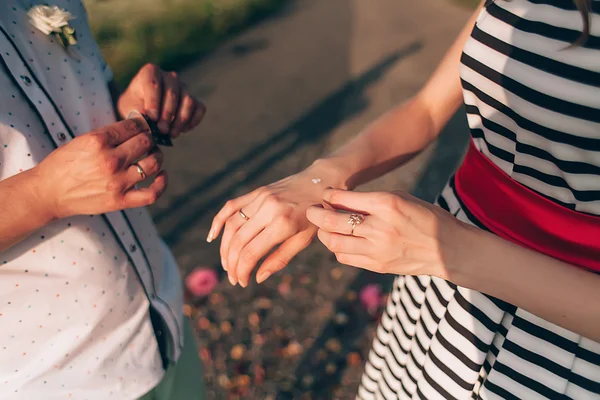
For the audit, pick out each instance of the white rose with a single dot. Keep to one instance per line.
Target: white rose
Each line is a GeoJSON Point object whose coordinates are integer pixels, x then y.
{"type": "Point", "coordinates": [49, 19]}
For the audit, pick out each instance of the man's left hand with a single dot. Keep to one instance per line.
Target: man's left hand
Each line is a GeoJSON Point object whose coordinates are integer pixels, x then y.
{"type": "Point", "coordinates": [164, 99]}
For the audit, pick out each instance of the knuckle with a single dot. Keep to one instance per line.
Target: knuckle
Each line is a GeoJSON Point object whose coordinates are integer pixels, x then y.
{"type": "Point", "coordinates": [247, 256]}
{"type": "Point", "coordinates": [229, 205]}
{"type": "Point", "coordinates": [279, 263]}
{"type": "Point", "coordinates": [131, 126]}
{"type": "Point", "coordinates": [341, 258]}
{"type": "Point", "coordinates": [330, 221]}
{"type": "Point", "coordinates": [333, 243]}
{"type": "Point", "coordinates": [145, 142]}
{"type": "Point", "coordinates": [151, 198]}
{"type": "Point", "coordinates": [97, 141]}
{"type": "Point", "coordinates": [153, 165]}
{"type": "Point", "coordinates": [114, 186]}
{"type": "Point", "coordinates": [150, 68]}
{"type": "Point", "coordinates": [283, 222]}
{"type": "Point", "coordinates": [389, 201]}
{"type": "Point", "coordinates": [173, 74]}
{"type": "Point", "coordinates": [110, 163]}
{"type": "Point", "coordinates": [335, 197]}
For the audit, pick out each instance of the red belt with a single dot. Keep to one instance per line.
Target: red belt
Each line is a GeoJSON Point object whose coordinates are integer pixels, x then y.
{"type": "Point", "coordinates": [516, 213]}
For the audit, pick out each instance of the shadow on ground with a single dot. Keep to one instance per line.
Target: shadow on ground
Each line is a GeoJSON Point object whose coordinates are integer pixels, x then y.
{"type": "Point", "coordinates": [308, 129]}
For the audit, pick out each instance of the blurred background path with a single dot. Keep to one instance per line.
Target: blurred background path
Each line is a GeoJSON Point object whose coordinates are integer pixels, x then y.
{"type": "Point", "coordinates": [279, 95]}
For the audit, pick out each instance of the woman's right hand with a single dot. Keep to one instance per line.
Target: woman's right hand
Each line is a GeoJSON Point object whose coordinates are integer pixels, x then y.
{"type": "Point", "coordinates": [94, 173]}
{"type": "Point", "coordinates": [276, 216]}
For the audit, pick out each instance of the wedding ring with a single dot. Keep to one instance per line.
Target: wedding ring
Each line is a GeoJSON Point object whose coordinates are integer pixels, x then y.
{"type": "Point", "coordinates": [140, 170]}
{"type": "Point", "coordinates": [355, 220]}
{"type": "Point", "coordinates": [243, 215]}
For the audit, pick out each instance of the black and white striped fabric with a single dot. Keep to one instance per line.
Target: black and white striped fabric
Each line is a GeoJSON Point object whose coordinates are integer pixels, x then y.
{"type": "Point", "coordinates": [533, 107]}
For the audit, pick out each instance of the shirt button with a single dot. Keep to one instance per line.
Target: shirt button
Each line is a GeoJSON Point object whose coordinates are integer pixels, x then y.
{"type": "Point", "coordinates": [61, 136]}
{"type": "Point", "coordinates": [26, 79]}
{"type": "Point", "coordinates": [132, 248]}
{"type": "Point", "coordinates": [158, 333]}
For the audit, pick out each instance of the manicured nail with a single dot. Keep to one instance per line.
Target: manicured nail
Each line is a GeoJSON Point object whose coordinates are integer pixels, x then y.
{"type": "Point", "coordinates": [163, 126]}
{"type": "Point", "coordinates": [223, 264]}
{"type": "Point", "coordinates": [232, 280]}
{"type": "Point", "coordinates": [153, 114]}
{"type": "Point", "coordinates": [210, 237]}
{"type": "Point", "coordinates": [262, 276]}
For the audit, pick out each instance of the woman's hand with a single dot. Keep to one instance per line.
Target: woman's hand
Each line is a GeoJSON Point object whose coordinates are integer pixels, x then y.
{"type": "Point", "coordinates": [163, 98]}
{"type": "Point", "coordinates": [95, 174]}
{"type": "Point", "coordinates": [276, 216]}
{"type": "Point", "coordinates": [399, 234]}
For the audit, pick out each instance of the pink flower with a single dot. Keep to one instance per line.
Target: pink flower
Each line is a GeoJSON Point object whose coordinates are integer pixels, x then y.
{"type": "Point", "coordinates": [370, 297]}
{"type": "Point", "coordinates": [201, 281]}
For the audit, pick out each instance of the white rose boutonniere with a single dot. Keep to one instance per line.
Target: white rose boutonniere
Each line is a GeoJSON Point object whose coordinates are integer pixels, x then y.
{"type": "Point", "coordinates": [53, 20]}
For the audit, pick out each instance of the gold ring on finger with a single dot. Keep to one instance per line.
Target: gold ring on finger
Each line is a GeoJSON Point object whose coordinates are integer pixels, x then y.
{"type": "Point", "coordinates": [355, 220]}
{"type": "Point", "coordinates": [243, 215]}
{"type": "Point", "coordinates": [140, 170]}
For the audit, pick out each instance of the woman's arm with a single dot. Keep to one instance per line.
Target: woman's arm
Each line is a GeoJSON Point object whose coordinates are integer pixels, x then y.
{"type": "Point", "coordinates": [551, 289]}
{"type": "Point", "coordinates": [403, 132]}
{"type": "Point", "coordinates": [278, 212]}
{"type": "Point", "coordinates": [406, 236]}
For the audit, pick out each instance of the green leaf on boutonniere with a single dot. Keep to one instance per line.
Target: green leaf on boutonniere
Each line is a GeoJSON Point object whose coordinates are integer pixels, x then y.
{"type": "Point", "coordinates": [67, 36]}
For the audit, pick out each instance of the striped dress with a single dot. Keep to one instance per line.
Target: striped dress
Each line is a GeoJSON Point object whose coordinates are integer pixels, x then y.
{"type": "Point", "coordinates": [533, 108]}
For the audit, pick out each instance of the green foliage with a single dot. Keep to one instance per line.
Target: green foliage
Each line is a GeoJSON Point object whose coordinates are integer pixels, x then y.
{"type": "Point", "coordinates": [167, 32]}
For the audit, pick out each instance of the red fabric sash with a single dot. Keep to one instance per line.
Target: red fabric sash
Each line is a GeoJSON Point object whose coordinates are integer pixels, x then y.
{"type": "Point", "coordinates": [516, 213]}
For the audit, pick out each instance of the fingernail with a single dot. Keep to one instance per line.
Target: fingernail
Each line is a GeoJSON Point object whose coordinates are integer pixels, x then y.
{"type": "Point", "coordinates": [163, 126]}
{"type": "Point", "coordinates": [232, 280]}
{"type": "Point", "coordinates": [224, 264]}
{"type": "Point", "coordinates": [262, 276]}
{"type": "Point", "coordinates": [153, 114]}
{"type": "Point", "coordinates": [242, 284]}
{"type": "Point", "coordinates": [210, 237]}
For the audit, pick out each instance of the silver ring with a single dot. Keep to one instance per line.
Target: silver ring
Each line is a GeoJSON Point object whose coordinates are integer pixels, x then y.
{"type": "Point", "coordinates": [355, 220]}
{"type": "Point", "coordinates": [140, 170]}
{"type": "Point", "coordinates": [243, 215]}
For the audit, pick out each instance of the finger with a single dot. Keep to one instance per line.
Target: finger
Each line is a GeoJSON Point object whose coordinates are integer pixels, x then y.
{"type": "Point", "coordinates": [119, 132]}
{"type": "Point", "coordinates": [231, 207]}
{"type": "Point", "coordinates": [198, 116]}
{"type": "Point", "coordinates": [359, 261]}
{"type": "Point", "coordinates": [187, 108]}
{"type": "Point", "coordinates": [274, 234]}
{"type": "Point", "coordinates": [337, 243]}
{"type": "Point", "coordinates": [170, 100]}
{"type": "Point", "coordinates": [147, 196]}
{"type": "Point", "coordinates": [233, 224]}
{"type": "Point", "coordinates": [150, 165]}
{"type": "Point", "coordinates": [364, 202]}
{"type": "Point", "coordinates": [135, 148]}
{"type": "Point", "coordinates": [231, 227]}
{"type": "Point", "coordinates": [152, 91]}
{"type": "Point", "coordinates": [281, 257]}
{"type": "Point", "coordinates": [247, 231]}
{"type": "Point", "coordinates": [336, 222]}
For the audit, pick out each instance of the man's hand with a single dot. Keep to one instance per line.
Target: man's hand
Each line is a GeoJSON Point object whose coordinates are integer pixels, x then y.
{"type": "Point", "coordinates": [95, 173]}
{"type": "Point", "coordinates": [164, 99]}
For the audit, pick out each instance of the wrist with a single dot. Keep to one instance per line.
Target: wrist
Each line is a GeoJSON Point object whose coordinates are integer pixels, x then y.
{"type": "Point", "coordinates": [463, 246]}
{"type": "Point", "coordinates": [43, 203]}
{"type": "Point", "coordinates": [325, 172]}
